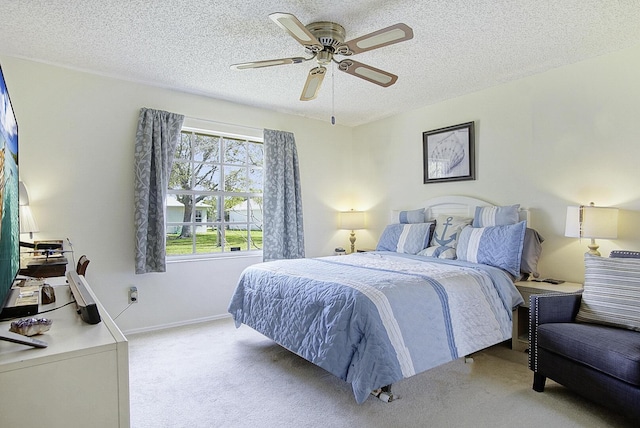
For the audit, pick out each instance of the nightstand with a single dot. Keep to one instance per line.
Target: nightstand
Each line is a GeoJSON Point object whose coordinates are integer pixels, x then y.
{"type": "Point", "coordinates": [520, 333]}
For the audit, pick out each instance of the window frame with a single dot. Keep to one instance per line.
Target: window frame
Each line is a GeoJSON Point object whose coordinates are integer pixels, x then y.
{"type": "Point", "coordinates": [221, 222]}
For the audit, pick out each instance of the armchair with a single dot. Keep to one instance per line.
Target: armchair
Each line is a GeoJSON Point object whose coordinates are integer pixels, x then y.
{"type": "Point", "coordinates": [596, 356]}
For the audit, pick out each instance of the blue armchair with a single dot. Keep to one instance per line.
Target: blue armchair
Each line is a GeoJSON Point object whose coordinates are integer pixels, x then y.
{"type": "Point", "coordinates": [593, 356]}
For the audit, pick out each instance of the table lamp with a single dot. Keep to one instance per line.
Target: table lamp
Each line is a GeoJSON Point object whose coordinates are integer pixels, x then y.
{"type": "Point", "coordinates": [592, 222]}
{"type": "Point", "coordinates": [352, 220]}
{"type": "Point", "coordinates": [27, 222]}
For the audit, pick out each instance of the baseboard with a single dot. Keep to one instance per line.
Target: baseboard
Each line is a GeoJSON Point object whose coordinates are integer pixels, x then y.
{"type": "Point", "coordinates": [176, 324]}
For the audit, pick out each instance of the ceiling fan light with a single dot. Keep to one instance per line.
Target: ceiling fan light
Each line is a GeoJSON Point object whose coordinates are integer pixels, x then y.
{"type": "Point", "coordinates": [324, 39]}
{"type": "Point", "coordinates": [382, 39]}
{"type": "Point", "coordinates": [370, 74]}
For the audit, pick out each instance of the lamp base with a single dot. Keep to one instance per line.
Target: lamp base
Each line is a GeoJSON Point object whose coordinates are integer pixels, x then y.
{"type": "Point", "coordinates": [593, 248]}
{"type": "Point", "coordinates": [352, 239]}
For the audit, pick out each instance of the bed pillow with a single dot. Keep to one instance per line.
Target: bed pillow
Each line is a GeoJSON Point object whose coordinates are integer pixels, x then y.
{"type": "Point", "coordinates": [405, 238]}
{"type": "Point", "coordinates": [611, 293]}
{"type": "Point", "coordinates": [445, 236]}
{"type": "Point", "coordinates": [499, 246]}
{"type": "Point", "coordinates": [496, 216]}
{"type": "Point", "coordinates": [408, 217]}
{"type": "Point", "coordinates": [531, 251]}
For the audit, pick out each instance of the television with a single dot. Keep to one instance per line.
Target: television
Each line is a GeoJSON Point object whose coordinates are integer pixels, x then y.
{"type": "Point", "coordinates": [9, 179]}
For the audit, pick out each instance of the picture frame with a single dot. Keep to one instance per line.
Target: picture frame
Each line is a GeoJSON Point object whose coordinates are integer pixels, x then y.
{"type": "Point", "coordinates": [449, 153]}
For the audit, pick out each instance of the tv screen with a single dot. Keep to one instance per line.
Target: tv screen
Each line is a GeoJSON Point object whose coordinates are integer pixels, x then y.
{"type": "Point", "coordinates": [10, 224]}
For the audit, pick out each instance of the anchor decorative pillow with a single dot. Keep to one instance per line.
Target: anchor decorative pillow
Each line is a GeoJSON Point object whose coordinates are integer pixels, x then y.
{"type": "Point", "coordinates": [445, 237]}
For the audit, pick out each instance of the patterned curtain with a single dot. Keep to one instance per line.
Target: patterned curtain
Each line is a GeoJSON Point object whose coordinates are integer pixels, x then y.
{"type": "Point", "coordinates": [283, 233]}
{"type": "Point", "coordinates": [156, 139]}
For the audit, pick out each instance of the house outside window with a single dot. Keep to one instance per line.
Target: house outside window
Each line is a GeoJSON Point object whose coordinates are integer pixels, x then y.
{"type": "Point", "coordinates": [214, 197]}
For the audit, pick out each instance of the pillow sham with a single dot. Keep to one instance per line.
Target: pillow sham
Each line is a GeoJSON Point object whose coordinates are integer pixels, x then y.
{"type": "Point", "coordinates": [531, 251]}
{"type": "Point", "coordinates": [611, 293]}
{"type": "Point", "coordinates": [408, 217]}
{"type": "Point", "coordinates": [445, 236]}
{"type": "Point", "coordinates": [499, 246]}
{"type": "Point", "coordinates": [405, 238]}
{"type": "Point", "coordinates": [496, 216]}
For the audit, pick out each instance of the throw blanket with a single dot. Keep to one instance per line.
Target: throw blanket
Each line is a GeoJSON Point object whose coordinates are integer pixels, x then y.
{"type": "Point", "coordinates": [375, 318]}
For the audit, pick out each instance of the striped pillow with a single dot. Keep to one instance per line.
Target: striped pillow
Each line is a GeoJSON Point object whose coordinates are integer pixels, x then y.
{"type": "Point", "coordinates": [407, 217]}
{"type": "Point", "coordinates": [499, 246]}
{"type": "Point", "coordinates": [405, 238]}
{"type": "Point", "coordinates": [611, 293]}
{"type": "Point", "coordinates": [496, 216]}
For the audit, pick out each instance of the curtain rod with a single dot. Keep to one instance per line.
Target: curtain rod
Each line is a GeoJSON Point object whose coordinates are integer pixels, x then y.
{"type": "Point", "coordinates": [224, 123]}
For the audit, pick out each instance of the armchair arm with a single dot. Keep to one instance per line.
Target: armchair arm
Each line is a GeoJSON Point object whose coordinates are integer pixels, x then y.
{"type": "Point", "coordinates": [549, 308]}
{"type": "Point", "coordinates": [554, 307]}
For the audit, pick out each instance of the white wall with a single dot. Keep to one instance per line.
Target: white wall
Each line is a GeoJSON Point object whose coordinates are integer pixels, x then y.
{"type": "Point", "coordinates": [76, 136]}
{"type": "Point", "coordinates": [565, 137]}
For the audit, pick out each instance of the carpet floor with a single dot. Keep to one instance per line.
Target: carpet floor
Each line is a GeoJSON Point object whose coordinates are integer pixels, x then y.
{"type": "Point", "coordinates": [214, 375]}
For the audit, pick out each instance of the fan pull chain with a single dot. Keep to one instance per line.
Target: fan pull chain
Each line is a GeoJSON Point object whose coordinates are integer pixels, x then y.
{"type": "Point", "coordinates": [333, 94]}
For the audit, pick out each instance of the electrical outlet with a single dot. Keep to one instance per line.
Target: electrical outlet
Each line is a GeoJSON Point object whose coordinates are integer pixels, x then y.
{"type": "Point", "coordinates": [133, 295]}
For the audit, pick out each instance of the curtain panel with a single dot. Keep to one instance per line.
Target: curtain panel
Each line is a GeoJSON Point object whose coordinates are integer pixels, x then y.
{"type": "Point", "coordinates": [156, 139]}
{"type": "Point", "coordinates": [283, 234]}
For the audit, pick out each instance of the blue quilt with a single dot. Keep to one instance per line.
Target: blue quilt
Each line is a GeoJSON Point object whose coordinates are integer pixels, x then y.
{"type": "Point", "coordinates": [375, 318]}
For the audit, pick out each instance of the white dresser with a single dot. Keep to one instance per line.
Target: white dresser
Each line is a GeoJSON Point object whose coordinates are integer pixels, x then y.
{"type": "Point", "coordinates": [81, 379]}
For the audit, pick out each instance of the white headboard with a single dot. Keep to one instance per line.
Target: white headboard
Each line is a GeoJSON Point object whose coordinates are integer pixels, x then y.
{"type": "Point", "coordinates": [463, 206]}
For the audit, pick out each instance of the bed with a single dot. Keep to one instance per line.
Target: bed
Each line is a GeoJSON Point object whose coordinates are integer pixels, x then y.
{"type": "Point", "coordinates": [375, 318]}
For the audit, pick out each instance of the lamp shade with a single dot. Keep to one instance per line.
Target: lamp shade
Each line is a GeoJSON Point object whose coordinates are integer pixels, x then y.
{"type": "Point", "coordinates": [591, 222]}
{"type": "Point", "coordinates": [27, 222]}
{"type": "Point", "coordinates": [23, 194]}
{"type": "Point", "coordinates": [352, 220]}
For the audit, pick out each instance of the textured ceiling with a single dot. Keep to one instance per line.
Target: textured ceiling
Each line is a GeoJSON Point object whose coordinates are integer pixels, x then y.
{"type": "Point", "coordinates": [459, 46]}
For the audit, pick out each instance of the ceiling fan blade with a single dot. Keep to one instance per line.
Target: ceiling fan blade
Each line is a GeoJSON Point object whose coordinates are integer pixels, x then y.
{"type": "Point", "coordinates": [366, 72]}
{"type": "Point", "coordinates": [313, 83]}
{"type": "Point", "coordinates": [387, 36]}
{"type": "Point", "coordinates": [269, 63]}
{"type": "Point", "coordinates": [298, 31]}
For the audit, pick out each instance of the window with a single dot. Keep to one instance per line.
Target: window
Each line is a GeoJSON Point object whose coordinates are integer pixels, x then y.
{"type": "Point", "coordinates": [214, 197]}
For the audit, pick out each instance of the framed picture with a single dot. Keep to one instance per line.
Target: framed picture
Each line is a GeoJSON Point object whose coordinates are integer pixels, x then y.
{"type": "Point", "coordinates": [449, 154]}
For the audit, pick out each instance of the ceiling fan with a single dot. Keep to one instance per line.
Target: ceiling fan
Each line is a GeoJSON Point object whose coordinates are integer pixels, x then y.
{"type": "Point", "coordinates": [323, 40]}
